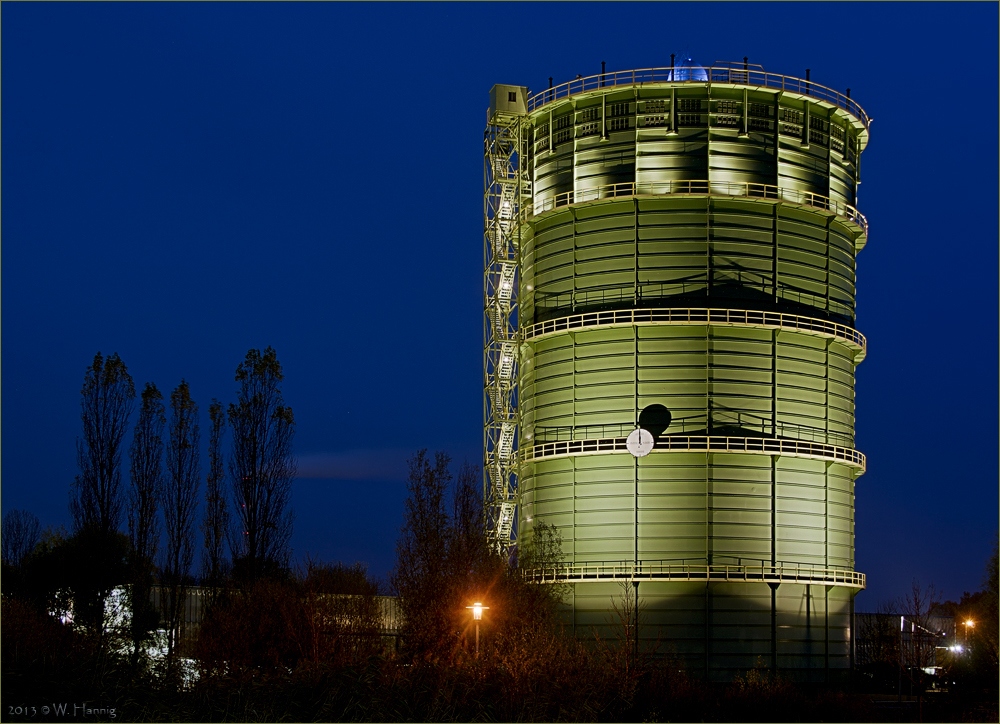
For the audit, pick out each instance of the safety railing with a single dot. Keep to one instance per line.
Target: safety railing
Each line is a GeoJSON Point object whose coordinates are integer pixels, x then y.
{"type": "Point", "coordinates": [701, 443]}
{"type": "Point", "coordinates": [699, 187]}
{"type": "Point", "coordinates": [721, 417]}
{"type": "Point", "coordinates": [670, 571]}
{"type": "Point", "coordinates": [561, 433]}
{"type": "Point", "coordinates": [733, 76]}
{"type": "Point", "coordinates": [546, 302]}
{"type": "Point", "coordinates": [735, 317]}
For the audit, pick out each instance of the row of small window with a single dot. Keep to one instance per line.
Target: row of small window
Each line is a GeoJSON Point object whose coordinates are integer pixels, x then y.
{"type": "Point", "coordinates": [692, 120]}
{"type": "Point", "coordinates": [542, 137]}
{"type": "Point", "coordinates": [687, 106]}
{"type": "Point", "coordinates": [699, 119]}
{"type": "Point", "coordinates": [847, 147]}
{"type": "Point", "coordinates": [654, 114]}
{"type": "Point", "coordinates": [586, 116]}
{"type": "Point", "coordinates": [684, 120]}
{"type": "Point", "coordinates": [592, 128]}
{"type": "Point", "coordinates": [590, 122]}
{"type": "Point", "coordinates": [697, 105]}
{"type": "Point", "coordinates": [612, 110]}
{"type": "Point", "coordinates": [788, 117]}
{"type": "Point", "coordinates": [816, 122]}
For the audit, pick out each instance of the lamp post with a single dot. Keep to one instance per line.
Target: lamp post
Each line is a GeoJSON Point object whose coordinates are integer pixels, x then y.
{"type": "Point", "coordinates": [477, 616]}
{"type": "Point", "coordinates": [969, 623]}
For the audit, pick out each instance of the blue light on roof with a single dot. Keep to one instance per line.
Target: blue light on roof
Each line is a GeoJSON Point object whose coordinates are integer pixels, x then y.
{"type": "Point", "coordinates": [687, 69]}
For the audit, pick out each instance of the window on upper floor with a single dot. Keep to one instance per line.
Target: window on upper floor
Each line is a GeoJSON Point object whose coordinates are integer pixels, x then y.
{"type": "Point", "coordinates": [790, 115]}
{"type": "Point", "coordinates": [618, 124]}
{"type": "Point", "coordinates": [618, 109]}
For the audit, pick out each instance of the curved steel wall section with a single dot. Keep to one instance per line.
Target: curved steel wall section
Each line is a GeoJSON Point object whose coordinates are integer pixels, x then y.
{"type": "Point", "coordinates": [721, 132]}
{"type": "Point", "coordinates": [714, 379]}
{"type": "Point", "coordinates": [688, 250]}
{"type": "Point", "coordinates": [693, 245]}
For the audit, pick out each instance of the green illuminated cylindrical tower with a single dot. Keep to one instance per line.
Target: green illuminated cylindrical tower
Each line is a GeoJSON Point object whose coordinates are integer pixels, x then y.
{"type": "Point", "coordinates": [679, 248]}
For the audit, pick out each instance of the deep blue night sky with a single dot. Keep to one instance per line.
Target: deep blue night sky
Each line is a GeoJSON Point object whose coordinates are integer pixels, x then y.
{"type": "Point", "coordinates": [182, 182]}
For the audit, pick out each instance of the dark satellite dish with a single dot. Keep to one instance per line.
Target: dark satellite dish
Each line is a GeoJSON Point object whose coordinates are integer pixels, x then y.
{"type": "Point", "coordinates": [655, 418]}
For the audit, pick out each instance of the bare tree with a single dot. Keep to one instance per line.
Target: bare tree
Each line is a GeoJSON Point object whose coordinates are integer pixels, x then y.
{"type": "Point", "coordinates": [467, 546]}
{"type": "Point", "coordinates": [987, 612]}
{"type": "Point", "coordinates": [628, 610]}
{"type": "Point", "coordinates": [146, 455]}
{"type": "Point", "coordinates": [108, 399]}
{"type": "Point", "coordinates": [261, 466]}
{"type": "Point", "coordinates": [421, 573]}
{"type": "Point", "coordinates": [20, 534]}
{"type": "Point", "coordinates": [918, 648]}
{"type": "Point", "coordinates": [343, 615]}
{"type": "Point", "coordinates": [444, 564]}
{"type": "Point", "coordinates": [541, 552]}
{"type": "Point", "coordinates": [180, 501]}
{"type": "Point", "coordinates": [878, 640]}
{"type": "Point", "coordinates": [216, 522]}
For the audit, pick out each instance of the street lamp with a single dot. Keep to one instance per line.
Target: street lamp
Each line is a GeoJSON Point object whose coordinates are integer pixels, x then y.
{"type": "Point", "coordinates": [477, 616]}
{"type": "Point", "coordinates": [969, 623]}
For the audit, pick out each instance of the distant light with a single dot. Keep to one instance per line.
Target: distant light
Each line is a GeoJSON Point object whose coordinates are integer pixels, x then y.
{"type": "Point", "coordinates": [970, 623]}
{"type": "Point", "coordinates": [956, 648]}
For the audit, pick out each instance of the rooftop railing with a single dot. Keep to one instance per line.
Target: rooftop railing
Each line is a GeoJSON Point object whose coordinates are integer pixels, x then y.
{"type": "Point", "coordinates": [685, 75]}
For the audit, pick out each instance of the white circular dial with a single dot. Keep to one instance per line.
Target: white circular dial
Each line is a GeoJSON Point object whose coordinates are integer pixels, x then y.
{"type": "Point", "coordinates": [640, 442]}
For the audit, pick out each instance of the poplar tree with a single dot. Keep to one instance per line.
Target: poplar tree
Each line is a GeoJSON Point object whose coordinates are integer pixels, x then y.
{"type": "Point", "coordinates": [422, 576]}
{"type": "Point", "coordinates": [146, 455]}
{"type": "Point", "coordinates": [107, 401]}
{"type": "Point", "coordinates": [180, 500]}
{"type": "Point", "coordinates": [108, 397]}
{"type": "Point", "coordinates": [216, 522]}
{"type": "Point", "coordinates": [261, 467]}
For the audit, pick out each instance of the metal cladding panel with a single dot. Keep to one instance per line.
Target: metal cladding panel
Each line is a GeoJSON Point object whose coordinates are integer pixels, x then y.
{"type": "Point", "coordinates": [761, 382]}
{"type": "Point", "coordinates": [659, 251]}
{"type": "Point", "coordinates": [710, 507]}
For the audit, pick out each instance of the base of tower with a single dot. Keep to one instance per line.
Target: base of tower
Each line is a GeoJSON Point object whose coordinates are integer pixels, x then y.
{"type": "Point", "coordinates": [718, 631]}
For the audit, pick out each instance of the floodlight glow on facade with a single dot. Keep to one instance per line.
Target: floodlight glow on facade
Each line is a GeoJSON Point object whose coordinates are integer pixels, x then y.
{"type": "Point", "coordinates": [682, 241]}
